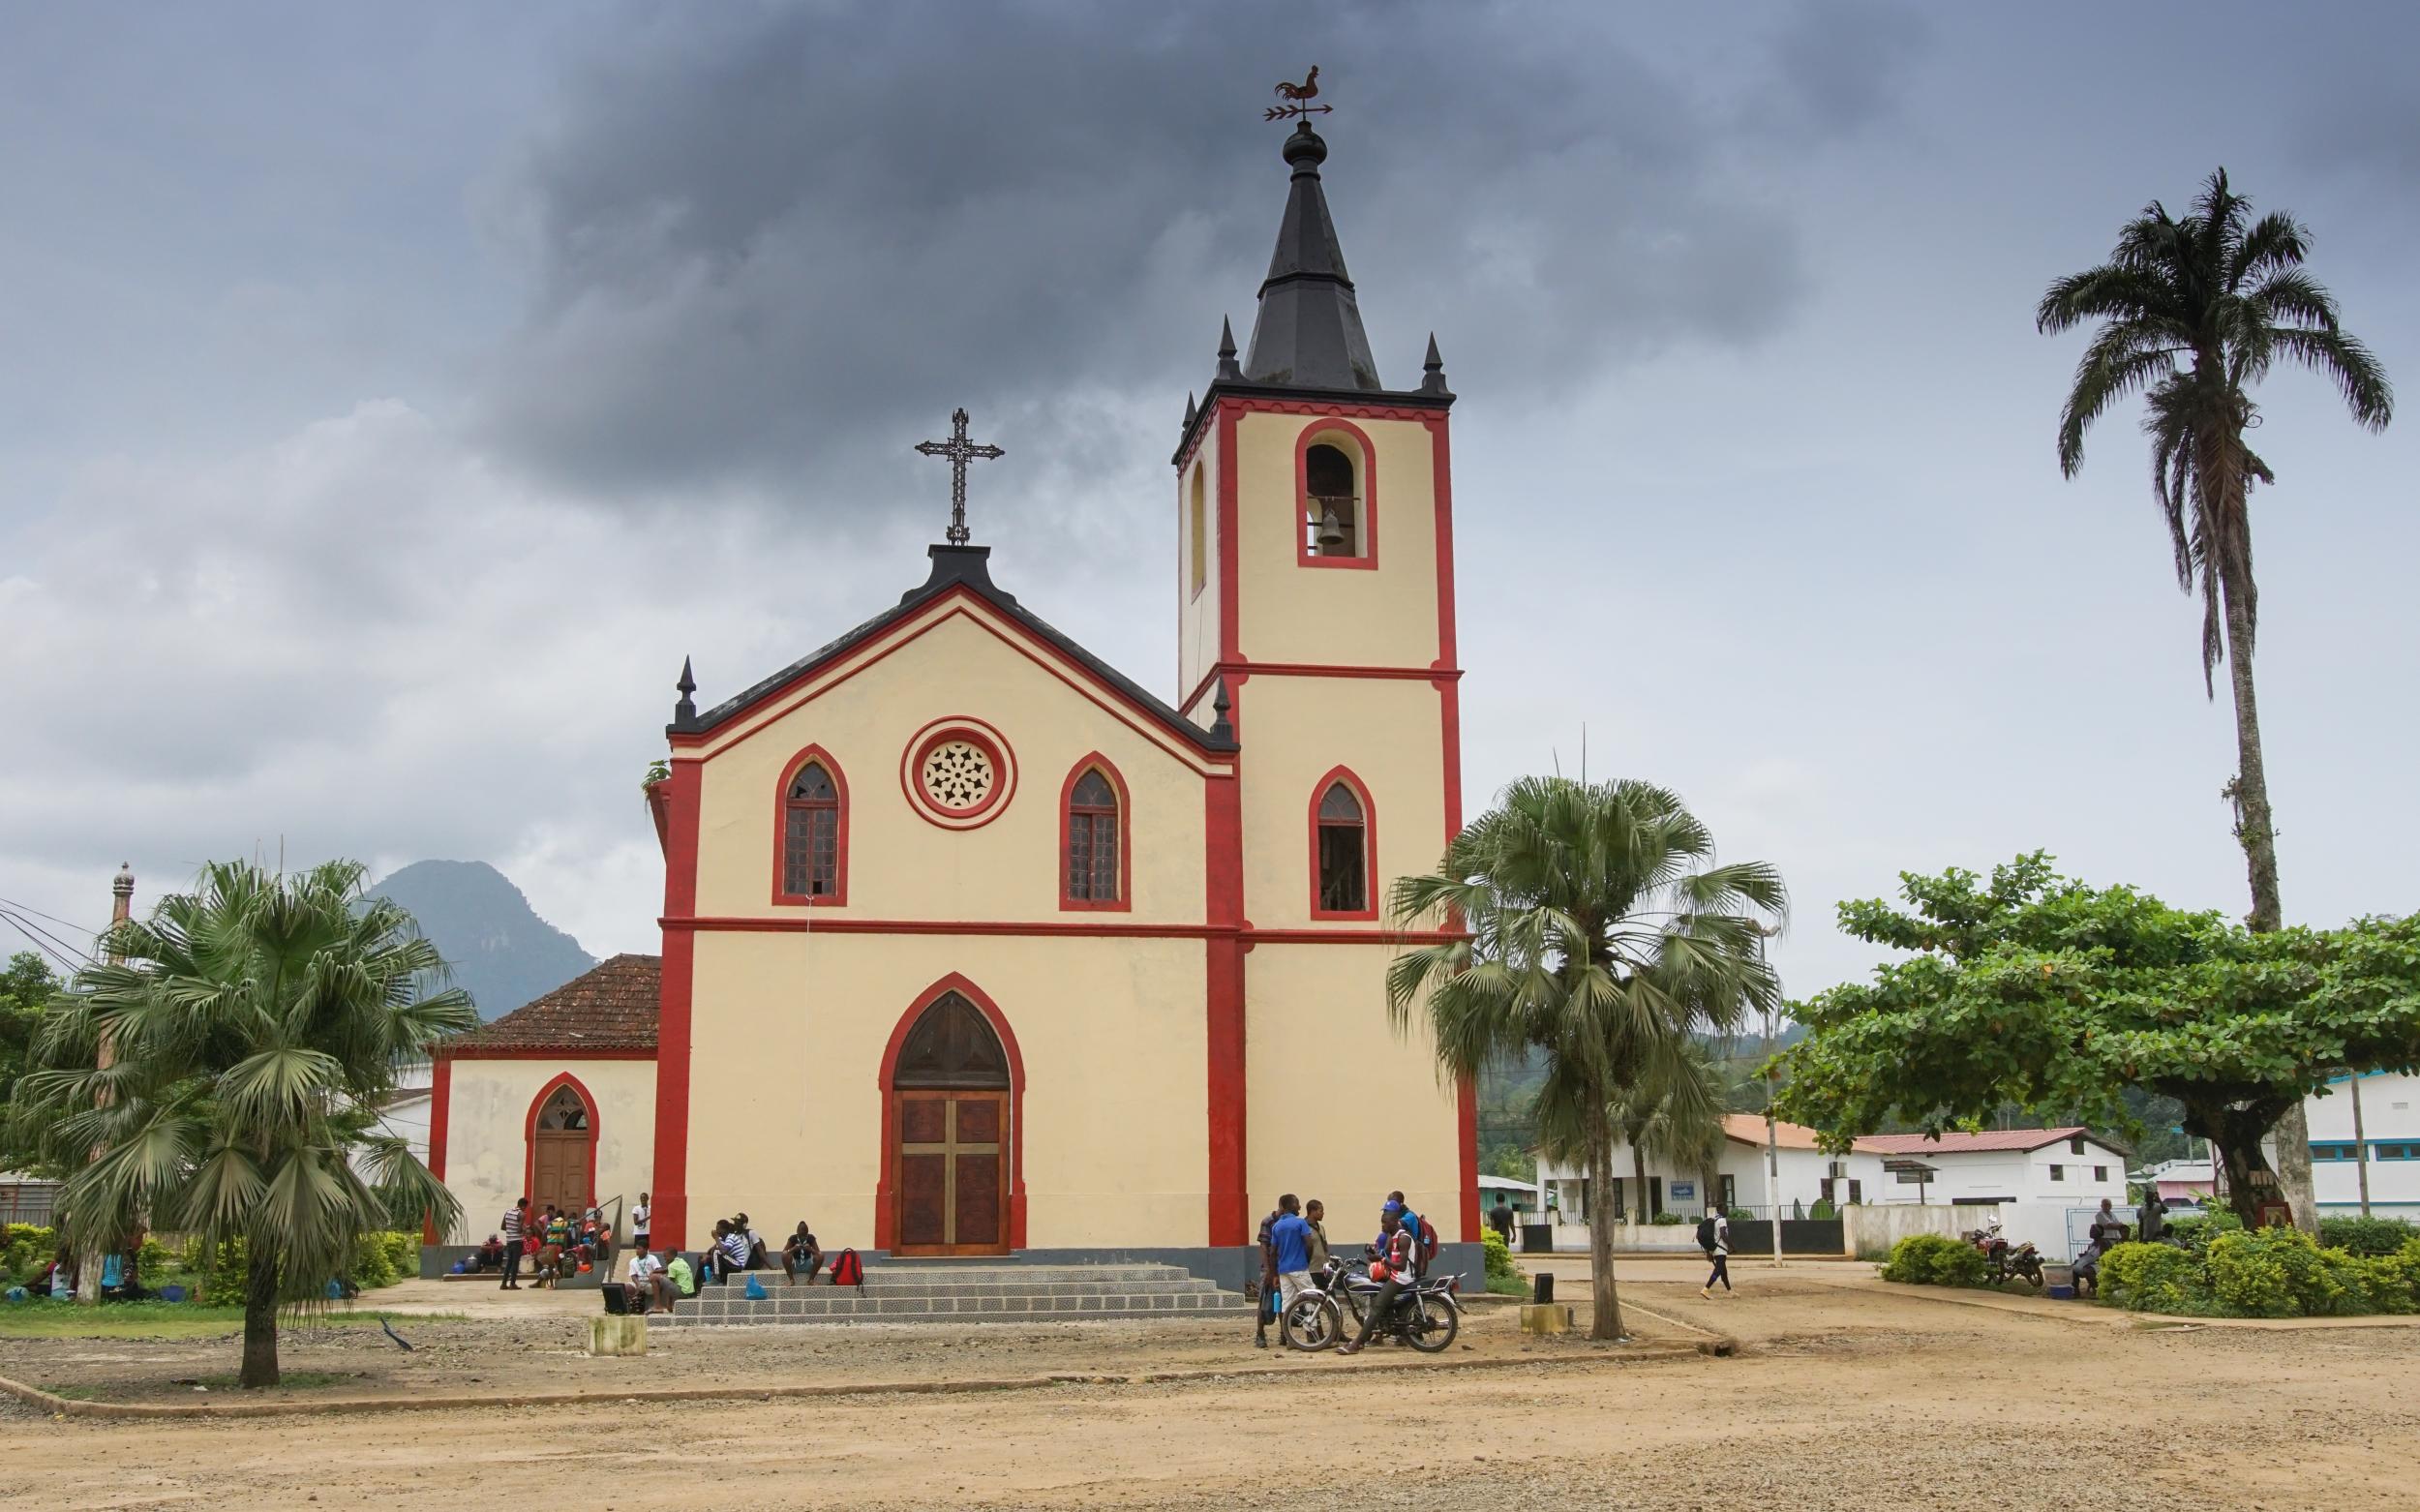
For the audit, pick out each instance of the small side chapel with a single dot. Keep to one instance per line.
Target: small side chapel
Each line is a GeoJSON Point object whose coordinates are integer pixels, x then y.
{"type": "Point", "coordinates": [972, 945]}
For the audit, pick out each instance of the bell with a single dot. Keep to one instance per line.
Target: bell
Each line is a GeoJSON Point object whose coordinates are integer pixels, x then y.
{"type": "Point", "coordinates": [1331, 533]}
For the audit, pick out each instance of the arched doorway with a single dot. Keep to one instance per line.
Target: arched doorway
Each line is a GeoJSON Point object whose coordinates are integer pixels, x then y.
{"type": "Point", "coordinates": [950, 1104]}
{"type": "Point", "coordinates": [562, 1148]}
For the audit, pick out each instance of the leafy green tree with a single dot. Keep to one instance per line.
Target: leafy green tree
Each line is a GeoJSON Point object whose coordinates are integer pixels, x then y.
{"type": "Point", "coordinates": [26, 988]}
{"type": "Point", "coordinates": [2037, 990]}
{"type": "Point", "coordinates": [223, 1076]}
{"type": "Point", "coordinates": [2191, 314]}
{"type": "Point", "coordinates": [1593, 925]}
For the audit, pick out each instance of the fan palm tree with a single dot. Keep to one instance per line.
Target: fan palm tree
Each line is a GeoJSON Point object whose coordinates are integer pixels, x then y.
{"type": "Point", "coordinates": [1591, 923]}
{"type": "Point", "coordinates": [2191, 314]}
{"type": "Point", "coordinates": [219, 1074]}
{"type": "Point", "coordinates": [1675, 1118]}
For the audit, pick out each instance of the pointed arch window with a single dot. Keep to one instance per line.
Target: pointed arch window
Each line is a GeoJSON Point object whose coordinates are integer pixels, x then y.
{"type": "Point", "coordinates": [812, 837]}
{"type": "Point", "coordinates": [1343, 849]}
{"type": "Point", "coordinates": [1096, 843]}
{"type": "Point", "coordinates": [1198, 532]}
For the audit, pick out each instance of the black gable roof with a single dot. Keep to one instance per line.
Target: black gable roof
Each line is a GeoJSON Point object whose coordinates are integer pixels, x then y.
{"type": "Point", "coordinates": [959, 567]}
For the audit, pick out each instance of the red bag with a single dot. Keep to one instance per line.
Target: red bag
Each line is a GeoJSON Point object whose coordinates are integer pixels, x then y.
{"type": "Point", "coordinates": [848, 1270]}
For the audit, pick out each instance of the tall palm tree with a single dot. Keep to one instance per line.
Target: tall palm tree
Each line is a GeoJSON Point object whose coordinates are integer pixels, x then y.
{"type": "Point", "coordinates": [1674, 1117]}
{"type": "Point", "coordinates": [2191, 314]}
{"type": "Point", "coordinates": [1592, 925]}
{"type": "Point", "coordinates": [220, 1075]}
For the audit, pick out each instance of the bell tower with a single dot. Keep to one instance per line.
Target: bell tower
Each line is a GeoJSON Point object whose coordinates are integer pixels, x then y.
{"type": "Point", "coordinates": [1315, 613]}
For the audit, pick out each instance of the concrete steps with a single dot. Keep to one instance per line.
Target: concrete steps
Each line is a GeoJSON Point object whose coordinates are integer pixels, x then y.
{"type": "Point", "coordinates": [959, 1293]}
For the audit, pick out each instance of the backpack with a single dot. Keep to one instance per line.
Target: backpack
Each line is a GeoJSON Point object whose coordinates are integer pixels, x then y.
{"type": "Point", "coordinates": [1427, 1243]}
{"type": "Point", "coordinates": [849, 1271]}
{"type": "Point", "coordinates": [1706, 1233]}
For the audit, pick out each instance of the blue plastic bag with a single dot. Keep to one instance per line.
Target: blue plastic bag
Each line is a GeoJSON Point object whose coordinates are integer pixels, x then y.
{"type": "Point", "coordinates": [756, 1289]}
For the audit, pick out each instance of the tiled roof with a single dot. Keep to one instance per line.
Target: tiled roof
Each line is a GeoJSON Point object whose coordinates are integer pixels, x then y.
{"type": "Point", "coordinates": [1749, 1129]}
{"type": "Point", "coordinates": [611, 1006]}
{"type": "Point", "coordinates": [2008, 1140]}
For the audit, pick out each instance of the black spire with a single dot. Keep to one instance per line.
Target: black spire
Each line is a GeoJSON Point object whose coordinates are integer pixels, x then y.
{"type": "Point", "coordinates": [685, 710]}
{"type": "Point", "coordinates": [1309, 333]}
{"type": "Point", "coordinates": [1190, 413]}
{"type": "Point", "coordinates": [1221, 728]}
{"type": "Point", "coordinates": [1433, 371]}
{"type": "Point", "coordinates": [1227, 349]}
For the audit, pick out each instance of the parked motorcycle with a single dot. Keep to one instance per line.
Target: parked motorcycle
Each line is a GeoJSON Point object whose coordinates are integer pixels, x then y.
{"type": "Point", "coordinates": [1428, 1318]}
{"type": "Point", "coordinates": [2004, 1259]}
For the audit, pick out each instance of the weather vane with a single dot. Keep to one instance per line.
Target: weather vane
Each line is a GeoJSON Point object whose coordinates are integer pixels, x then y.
{"type": "Point", "coordinates": [1297, 97]}
{"type": "Point", "coordinates": [961, 451]}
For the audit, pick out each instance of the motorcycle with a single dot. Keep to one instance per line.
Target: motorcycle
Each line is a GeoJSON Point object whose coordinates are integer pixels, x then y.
{"type": "Point", "coordinates": [2004, 1259]}
{"type": "Point", "coordinates": [1428, 1317]}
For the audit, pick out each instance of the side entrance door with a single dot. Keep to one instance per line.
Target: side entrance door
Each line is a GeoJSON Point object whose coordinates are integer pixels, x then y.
{"type": "Point", "coordinates": [952, 1154]}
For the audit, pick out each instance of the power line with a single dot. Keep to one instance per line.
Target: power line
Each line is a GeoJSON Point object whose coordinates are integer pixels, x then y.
{"type": "Point", "coordinates": [64, 923]}
{"type": "Point", "coordinates": [41, 940]}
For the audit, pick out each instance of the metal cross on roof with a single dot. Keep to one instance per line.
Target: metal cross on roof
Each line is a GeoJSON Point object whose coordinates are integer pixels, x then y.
{"type": "Point", "coordinates": [961, 451]}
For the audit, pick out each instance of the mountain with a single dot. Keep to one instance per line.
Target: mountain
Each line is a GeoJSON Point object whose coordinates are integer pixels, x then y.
{"type": "Point", "coordinates": [501, 952]}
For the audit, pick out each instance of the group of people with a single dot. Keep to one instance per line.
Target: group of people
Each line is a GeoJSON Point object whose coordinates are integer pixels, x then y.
{"type": "Point", "coordinates": [551, 1242]}
{"type": "Point", "coordinates": [738, 1246]}
{"type": "Point", "coordinates": [1294, 1247]}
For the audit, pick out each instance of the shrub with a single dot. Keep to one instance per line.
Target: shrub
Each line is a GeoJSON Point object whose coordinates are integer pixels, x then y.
{"type": "Point", "coordinates": [2369, 1237]}
{"type": "Point", "coordinates": [1935, 1260]}
{"type": "Point", "coordinates": [1740, 1215]}
{"type": "Point", "coordinates": [2154, 1277]}
{"type": "Point", "coordinates": [1668, 1220]}
{"type": "Point", "coordinates": [371, 1266]}
{"type": "Point", "coordinates": [1822, 1211]}
{"type": "Point", "coordinates": [24, 1249]}
{"type": "Point", "coordinates": [2273, 1273]}
{"type": "Point", "coordinates": [151, 1260]}
{"type": "Point", "coordinates": [1499, 1261]}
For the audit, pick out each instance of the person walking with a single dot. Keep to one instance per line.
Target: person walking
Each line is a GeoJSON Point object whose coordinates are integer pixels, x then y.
{"type": "Point", "coordinates": [1396, 1260]}
{"type": "Point", "coordinates": [1713, 1236]}
{"type": "Point", "coordinates": [1500, 1218]}
{"type": "Point", "coordinates": [516, 1220]}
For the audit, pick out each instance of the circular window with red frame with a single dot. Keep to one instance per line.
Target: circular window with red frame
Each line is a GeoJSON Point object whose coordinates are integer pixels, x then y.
{"type": "Point", "coordinates": [959, 773]}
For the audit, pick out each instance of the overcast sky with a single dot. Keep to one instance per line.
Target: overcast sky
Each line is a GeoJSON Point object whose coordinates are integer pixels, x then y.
{"type": "Point", "coordinates": [391, 398]}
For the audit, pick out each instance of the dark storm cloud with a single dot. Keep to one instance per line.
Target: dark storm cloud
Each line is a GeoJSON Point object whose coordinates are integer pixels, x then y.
{"type": "Point", "coordinates": [773, 245]}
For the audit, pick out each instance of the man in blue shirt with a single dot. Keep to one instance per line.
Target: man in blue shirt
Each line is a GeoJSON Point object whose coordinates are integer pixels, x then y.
{"type": "Point", "coordinates": [1289, 1244]}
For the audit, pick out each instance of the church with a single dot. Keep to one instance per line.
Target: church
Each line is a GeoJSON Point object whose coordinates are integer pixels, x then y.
{"type": "Point", "coordinates": [974, 945]}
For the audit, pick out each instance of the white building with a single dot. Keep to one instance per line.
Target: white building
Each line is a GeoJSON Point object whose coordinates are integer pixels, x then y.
{"type": "Point", "coordinates": [2389, 1149]}
{"type": "Point", "coordinates": [2065, 1168]}
{"type": "Point", "coordinates": [1807, 1176]}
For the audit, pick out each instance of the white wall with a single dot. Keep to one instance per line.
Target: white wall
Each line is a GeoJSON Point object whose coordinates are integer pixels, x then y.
{"type": "Point", "coordinates": [2055, 1175]}
{"type": "Point", "coordinates": [2390, 1127]}
{"type": "Point", "coordinates": [1802, 1172]}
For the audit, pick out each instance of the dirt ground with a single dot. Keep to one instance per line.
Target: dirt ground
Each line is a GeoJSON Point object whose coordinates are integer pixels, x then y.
{"type": "Point", "coordinates": [1846, 1395]}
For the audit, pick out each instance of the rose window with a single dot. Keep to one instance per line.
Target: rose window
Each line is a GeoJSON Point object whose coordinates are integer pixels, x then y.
{"type": "Point", "coordinates": [958, 775]}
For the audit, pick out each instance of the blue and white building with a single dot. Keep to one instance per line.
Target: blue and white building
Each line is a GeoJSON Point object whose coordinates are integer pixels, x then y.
{"type": "Point", "coordinates": [2387, 1149]}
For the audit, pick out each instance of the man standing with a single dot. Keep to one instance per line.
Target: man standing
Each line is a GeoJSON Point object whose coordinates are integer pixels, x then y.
{"type": "Point", "coordinates": [1268, 1280]}
{"type": "Point", "coordinates": [516, 1220]}
{"type": "Point", "coordinates": [1500, 1218]}
{"type": "Point", "coordinates": [1396, 1259]}
{"type": "Point", "coordinates": [1713, 1236]}
{"type": "Point", "coordinates": [1290, 1241]}
{"type": "Point", "coordinates": [2108, 1228]}
{"type": "Point", "coordinates": [642, 1221]}
{"type": "Point", "coordinates": [1315, 1213]}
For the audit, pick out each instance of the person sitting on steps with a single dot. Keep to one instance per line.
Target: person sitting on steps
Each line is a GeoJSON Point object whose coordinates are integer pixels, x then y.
{"type": "Point", "coordinates": [802, 1254]}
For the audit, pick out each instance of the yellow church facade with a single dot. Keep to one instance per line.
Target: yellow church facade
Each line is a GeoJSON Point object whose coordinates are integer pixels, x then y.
{"type": "Point", "coordinates": [974, 945]}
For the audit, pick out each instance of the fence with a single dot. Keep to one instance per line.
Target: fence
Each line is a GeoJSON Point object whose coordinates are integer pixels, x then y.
{"type": "Point", "coordinates": [27, 1201]}
{"type": "Point", "coordinates": [1872, 1229]}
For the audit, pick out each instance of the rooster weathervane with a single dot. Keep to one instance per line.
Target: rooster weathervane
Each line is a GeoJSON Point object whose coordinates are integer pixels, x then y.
{"type": "Point", "coordinates": [1297, 97]}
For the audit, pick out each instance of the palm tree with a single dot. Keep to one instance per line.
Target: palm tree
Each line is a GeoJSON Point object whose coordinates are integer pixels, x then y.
{"type": "Point", "coordinates": [1676, 1117]}
{"type": "Point", "coordinates": [2191, 314]}
{"type": "Point", "coordinates": [220, 1075]}
{"type": "Point", "coordinates": [1591, 923]}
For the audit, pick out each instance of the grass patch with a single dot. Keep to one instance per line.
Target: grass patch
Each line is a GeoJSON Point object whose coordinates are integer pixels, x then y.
{"type": "Point", "coordinates": [1507, 1286]}
{"type": "Point", "coordinates": [169, 1320]}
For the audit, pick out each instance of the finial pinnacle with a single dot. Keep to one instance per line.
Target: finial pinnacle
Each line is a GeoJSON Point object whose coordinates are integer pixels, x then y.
{"type": "Point", "coordinates": [1191, 412]}
{"type": "Point", "coordinates": [1433, 380]}
{"type": "Point", "coordinates": [1227, 368]}
{"type": "Point", "coordinates": [1221, 728]}
{"type": "Point", "coordinates": [960, 451]}
{"type": "Point", "coordinates": [685, 708]}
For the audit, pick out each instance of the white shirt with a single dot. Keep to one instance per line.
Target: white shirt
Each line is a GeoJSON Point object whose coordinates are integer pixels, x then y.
{"type": "Point", "coordinates": [638, 1217]}
{"type": "Point", "coordinates": [642, 1265]}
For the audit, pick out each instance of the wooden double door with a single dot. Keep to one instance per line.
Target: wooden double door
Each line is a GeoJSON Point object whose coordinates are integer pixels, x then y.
{"type": "Point", "coordinates": [950, 1151]}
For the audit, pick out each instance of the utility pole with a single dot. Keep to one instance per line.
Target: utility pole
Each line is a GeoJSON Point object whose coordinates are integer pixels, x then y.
{"type": "Point", "coordinates": [2361, 1144]}
{"type": "Point", "coordinates": [1773, 1129]}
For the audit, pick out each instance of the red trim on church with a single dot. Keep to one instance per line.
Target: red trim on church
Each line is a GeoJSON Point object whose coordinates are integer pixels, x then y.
{"type": "Point", "coordinates": [1124, 902]}
{"type": "Point", "coordinates": [840, 896]}
{"type": "Point", "coordinates": [983, 738]}
{"type": "Point", "coordinates": [529, 1133]}
{"type": "Point", "coordinates": [1223, 1018]}
{"type": "Point", "coordinates": [885, 1183]}
{"type": "Point", "coordinates": [1449, 715]}
{"type": "Point", "coordinates": [1367, 475]}
{"type": "Point", "coordinates": [440, 1111]}
{"type": "Point", "coordinates": [670, 1183]}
